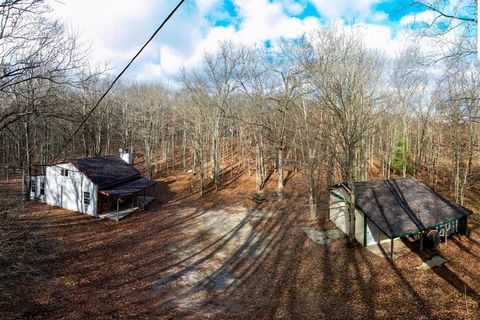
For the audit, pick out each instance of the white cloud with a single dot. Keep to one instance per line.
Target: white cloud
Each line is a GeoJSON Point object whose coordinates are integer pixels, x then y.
{"type": "Point", "coordinates": [106, 24]}
{"type": "Point", "coordinates": [379, 17]}
{"type": "Point", "coordinates": [261, 21]}
{"type": "Point", "coordinates": [293, 7]}
{"type": "Point", "coordinates": [380, 37]}
{"type": "Point", "coordinates": [425, 16]}
{"type": "Point", "coordinates": [116, 29]}
{"type": "Point", "coordinates": [434, 43]}
{"type": "Point", "coordinates": [265, 20]}
{"type": "Point", "coordinates": [204, 6]}
{"type": "Point", "coordinates": [347, 9]}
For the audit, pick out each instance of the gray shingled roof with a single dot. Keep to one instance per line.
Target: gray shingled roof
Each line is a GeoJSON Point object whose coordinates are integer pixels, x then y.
{"type": "Point", "coordinates": [128, 188]}
{"type": "Point", "coordinates": [106, 170]}
{"type": "Point", "coordinates": [402, 206]}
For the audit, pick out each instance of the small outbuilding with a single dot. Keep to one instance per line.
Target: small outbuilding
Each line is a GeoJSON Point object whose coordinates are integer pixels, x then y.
{"type": "Point", "coordinates": [390, 209]}
{"type": "Point", "coordinates": [104, 186]}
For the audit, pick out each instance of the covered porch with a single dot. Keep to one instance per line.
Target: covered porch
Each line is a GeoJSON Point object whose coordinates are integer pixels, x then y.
{"type": "Point", "coordinates": [117, 202]}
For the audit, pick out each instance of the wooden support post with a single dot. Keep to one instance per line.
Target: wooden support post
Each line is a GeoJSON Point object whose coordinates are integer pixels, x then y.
{"type": "Point", "coordinates": [446, 233]}
{"type": "Point", "coordinates": [391, 249]}
{"type": "Point", "coordinates": [421, 240]}
{"type": "Point", "coordinates": [118, 209]}
{"type": "Point", "coordinates": [23, 188]}
{"type": "Point", "coordinates": [466, 226]}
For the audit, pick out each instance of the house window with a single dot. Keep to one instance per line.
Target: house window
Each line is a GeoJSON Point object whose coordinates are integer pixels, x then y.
{"type": "Point", "coordinates": [64, 172]}
{"type": "Point", "coordinates": [42, 188]}
{"type": "Point", "coordinates": [86, 197]}
{"type": "Point", "coordinates": [34, 187]}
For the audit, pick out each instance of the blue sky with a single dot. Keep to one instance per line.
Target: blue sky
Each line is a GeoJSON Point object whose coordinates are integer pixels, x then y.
{"type": "Point", "coordinates": [115, 29]}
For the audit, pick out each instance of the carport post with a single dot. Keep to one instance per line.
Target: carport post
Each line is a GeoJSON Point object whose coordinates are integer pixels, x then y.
{"type": "Point", "coordinates": [391, 248]}
{"type": "Point", "coordinates": [446, 233]}
{"type": "Point", "coordinates": [421, 240]}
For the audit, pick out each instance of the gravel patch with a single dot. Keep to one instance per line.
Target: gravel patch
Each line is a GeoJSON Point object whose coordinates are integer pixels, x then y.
{"type": "Point", "coordinates": [323, 237]}
{"type": "Point", "coordinates": [205, 263]}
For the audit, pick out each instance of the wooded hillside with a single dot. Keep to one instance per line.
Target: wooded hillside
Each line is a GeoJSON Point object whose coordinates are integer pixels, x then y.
{"type": "Point", "coordinates": [325, 106]}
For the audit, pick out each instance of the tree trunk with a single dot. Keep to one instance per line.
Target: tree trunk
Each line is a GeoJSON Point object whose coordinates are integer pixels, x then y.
{"type": "Point", "coordinates": [280, 169]}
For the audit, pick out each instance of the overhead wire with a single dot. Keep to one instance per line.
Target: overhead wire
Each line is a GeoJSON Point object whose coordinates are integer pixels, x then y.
{"type": "Point", "coordinates": [87, 116]}
{"type": "Point", "coordinates": [90, 112]}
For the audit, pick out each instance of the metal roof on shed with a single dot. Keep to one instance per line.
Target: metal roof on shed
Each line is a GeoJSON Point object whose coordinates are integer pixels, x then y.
{"type": "Point", "coordinates": [403, 206]}
{"type": "Point", "coordinates": [128, 188]}
{"type": "Point", "coordinates": [106, 170]}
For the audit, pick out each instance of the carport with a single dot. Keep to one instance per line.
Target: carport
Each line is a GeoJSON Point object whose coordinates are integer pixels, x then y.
{"type": "Point", "coordinates": [390, 209]}
{"type": "Point", "coordinates": [135, 191]}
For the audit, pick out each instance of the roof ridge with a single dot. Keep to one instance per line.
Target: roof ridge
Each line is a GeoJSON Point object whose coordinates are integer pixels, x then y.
{"type": "Point", "coordinates": [391, 179]}
{"type": "Point", "coordinates": [95, 157]}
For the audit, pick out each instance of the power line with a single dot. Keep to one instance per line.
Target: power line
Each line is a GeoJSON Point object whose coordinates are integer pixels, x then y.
{"type": "Point", "coordinates": [116, 79]}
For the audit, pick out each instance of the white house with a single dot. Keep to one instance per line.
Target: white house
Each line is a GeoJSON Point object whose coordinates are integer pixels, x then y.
{"type": "Point", "coordinates": [91, 185]}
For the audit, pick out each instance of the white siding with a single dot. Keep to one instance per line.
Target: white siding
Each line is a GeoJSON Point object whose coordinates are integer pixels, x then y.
{"type": "Point", "coordinates": [342, 192]}
{"type": "Point", "coordinates": [67, 192]}
{"type": "Point", "coordinates": [374, 234]}
{"type": "Point", "coordinates": [36, 181]}
{"type": "Point", "coordinates": [339, 216]}
{"type": "Point", "coordinates": [359, 226]}
{"type": "Point", "coordinates": [338, 210]}
{"type": "Point", "coordinates": [127, 157]}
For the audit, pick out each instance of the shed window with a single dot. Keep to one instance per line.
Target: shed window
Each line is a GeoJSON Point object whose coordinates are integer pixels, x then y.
{"type": "Point", "coordinates": [34, 187]}
{"type": "Point", "coordinates": [42, 188]}
{"type": "Point", "coordinates": [64, 172]}
{"type": "Point", "coordinates": [86, 197]}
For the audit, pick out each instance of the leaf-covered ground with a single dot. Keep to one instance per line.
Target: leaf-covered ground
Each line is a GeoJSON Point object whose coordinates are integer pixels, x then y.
{"type": "Point", "coordinates": [225, 256]}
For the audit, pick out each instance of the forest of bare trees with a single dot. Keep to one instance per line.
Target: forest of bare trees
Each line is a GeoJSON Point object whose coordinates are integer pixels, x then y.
{"type": "Point", "coordinates": [326, 107]}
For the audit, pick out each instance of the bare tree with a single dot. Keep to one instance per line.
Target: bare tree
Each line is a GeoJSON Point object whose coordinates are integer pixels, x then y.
{"type": "Point", "coordinates": [345, 74]}
{"type": "Point", "coordinates": [453, 27]}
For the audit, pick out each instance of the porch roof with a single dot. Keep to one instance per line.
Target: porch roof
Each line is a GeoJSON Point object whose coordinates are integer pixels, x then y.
{"type": "Point", "coordinates": [127, 188]}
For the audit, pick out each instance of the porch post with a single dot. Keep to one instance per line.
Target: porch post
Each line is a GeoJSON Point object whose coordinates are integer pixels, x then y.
{"type": "Point", "coordinates": [118, 209]}
{"type": "Point", "coordinates": [466, 226]}
{"type": "Point", "coordinates": [391, 249]}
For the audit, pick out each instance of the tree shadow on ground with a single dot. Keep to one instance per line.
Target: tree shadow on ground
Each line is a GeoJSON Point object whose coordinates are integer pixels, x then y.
{"type": "Point", "coordinates": [444, 271]}
{"type": "Point", "coordinates": [180, 260]}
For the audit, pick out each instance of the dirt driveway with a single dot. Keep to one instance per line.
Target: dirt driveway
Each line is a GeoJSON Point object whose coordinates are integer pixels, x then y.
{"type": "Point", "coordinates": [214, 258]}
